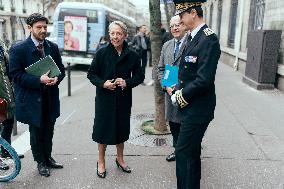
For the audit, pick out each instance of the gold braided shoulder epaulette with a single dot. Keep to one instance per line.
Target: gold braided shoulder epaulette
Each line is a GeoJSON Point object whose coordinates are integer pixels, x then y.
{"type": "Point", "coordinates": [208, 31]}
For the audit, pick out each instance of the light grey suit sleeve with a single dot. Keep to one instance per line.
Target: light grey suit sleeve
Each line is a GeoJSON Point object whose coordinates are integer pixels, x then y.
{"type": "Point", "coordinates": [161, 65]}
{"type": "Point", "coordinates": [165, 58]}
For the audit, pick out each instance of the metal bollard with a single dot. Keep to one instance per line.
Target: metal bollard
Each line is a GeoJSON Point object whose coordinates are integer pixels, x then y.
{"type": "Point", "coordinates": [69, 78]}
{"type": "Point", "coordinates": [15, 128]}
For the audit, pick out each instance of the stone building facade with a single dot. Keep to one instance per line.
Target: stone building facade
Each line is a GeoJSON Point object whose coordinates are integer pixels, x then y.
{"type": "Point", "coordinates": [233, 19]}
{"type": "Point", "coordinates": [13, 14]}
{"type": "Point", "coordinates": [125, 7]}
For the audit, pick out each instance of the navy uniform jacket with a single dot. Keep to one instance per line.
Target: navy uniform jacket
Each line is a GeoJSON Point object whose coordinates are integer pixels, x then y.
{"type": "Point", "coordinates": [27, 87]}
{"type": "Point", "coordinates": [197, 99]}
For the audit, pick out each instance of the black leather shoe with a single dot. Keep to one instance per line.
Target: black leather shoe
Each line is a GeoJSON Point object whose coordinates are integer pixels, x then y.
{"type": "Point", "coordinates": [43, 170]}
{"type": "Point", "coordinates": [6, 154]}
{"type": "Point", "coordinates": [3, 165]}
{"type": "Point", "coordinates": [53, 164]}
{"type": "Point", "coordinates": [101, 175]}
{"type": "Point", "coordinates": [171, 157]}
{"type": "Point", "coordinates": [124, 169]}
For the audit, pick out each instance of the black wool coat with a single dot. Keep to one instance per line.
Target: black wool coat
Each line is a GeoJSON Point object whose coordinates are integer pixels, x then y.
{"type": "Point", "coordinates": [113, 108]}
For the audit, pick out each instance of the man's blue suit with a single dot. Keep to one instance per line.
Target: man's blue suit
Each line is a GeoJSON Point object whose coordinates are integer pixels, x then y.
{"type": "Point", "coordinates": [36, 105]}
{"type": "Point", "coordinates": [27, 87]}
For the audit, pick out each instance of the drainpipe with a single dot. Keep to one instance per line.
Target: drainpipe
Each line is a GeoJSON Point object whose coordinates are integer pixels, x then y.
{"type": "Point", "coordinates": [238, 36]}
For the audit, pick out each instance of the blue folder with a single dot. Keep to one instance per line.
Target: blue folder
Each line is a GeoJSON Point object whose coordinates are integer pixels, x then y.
{"type": "Point", "coordinates": [170, 77]}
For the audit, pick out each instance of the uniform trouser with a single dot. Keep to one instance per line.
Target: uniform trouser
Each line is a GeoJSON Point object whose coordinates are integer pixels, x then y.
{"type": "Point", "coordinates": [175, 128]}
{"type": "Point", "coordinates": [7, 129]}
{"type": "Point", "coordinates": [144, 60]}
{"type": "Point", "coordinates": [41, 136]}
{"type": "Point", "coordinates": [188, 151]}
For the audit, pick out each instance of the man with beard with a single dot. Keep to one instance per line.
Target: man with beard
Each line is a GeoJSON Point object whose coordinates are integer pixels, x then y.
{"type": "Point", "coordinates": [37, 98]}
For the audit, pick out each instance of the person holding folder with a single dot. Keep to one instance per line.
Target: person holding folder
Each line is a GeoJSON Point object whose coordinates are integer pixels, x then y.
{"type": "Point", "coordinates": [37, 97]}
{"type": "Point", "coordinates": [171, 55]}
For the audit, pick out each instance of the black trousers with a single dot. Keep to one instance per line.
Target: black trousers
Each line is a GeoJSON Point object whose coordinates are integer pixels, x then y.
{"type": "Point", "coordinates": [188, 151]}
{"type": "Point", "coordinates": [175, 128]}
{"type": "Point", "coordinates": [41, 136]}
{"type": "Point", "coordinates": [7, 129]}
{"type": "Point", "coordinates": [144, 60]}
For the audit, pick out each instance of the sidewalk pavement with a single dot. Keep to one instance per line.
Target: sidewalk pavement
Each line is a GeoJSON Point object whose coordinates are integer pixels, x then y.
{"type": "Point", "coordinates": [243, 147]}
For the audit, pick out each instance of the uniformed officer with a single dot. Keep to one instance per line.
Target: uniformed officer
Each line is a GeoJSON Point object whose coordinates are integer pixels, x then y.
{"type": "Point", "coordinates": [196, 95]}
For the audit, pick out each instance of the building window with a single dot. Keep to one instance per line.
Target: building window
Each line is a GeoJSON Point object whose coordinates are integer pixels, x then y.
{"type": "Point", "coordinates": [211, 15]}
{"type": "Point", "coordinates": [205, 13]}
{"type": "Point", "coordinates": [1, 5]}
{"type": "Point", "coordinates": [258, 7]}
{"type": "Point", "coordinates": [219, 17]}
{"type": "Point", "coordinates": [233, 23]}
{"type": "Point", "coordinates": [12, 5]}
{"type": "Point", "coordinates": [24, 6]}
{"type": "Point", "coordinates": [38, 7]}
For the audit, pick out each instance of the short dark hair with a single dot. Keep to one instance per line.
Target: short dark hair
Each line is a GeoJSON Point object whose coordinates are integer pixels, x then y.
{"type": "Point", "coordinates": [141, 26]}
{"type": "Point", "coordinates": [36, 17]}
{"type": "Point", "coordinates": [198, 10]}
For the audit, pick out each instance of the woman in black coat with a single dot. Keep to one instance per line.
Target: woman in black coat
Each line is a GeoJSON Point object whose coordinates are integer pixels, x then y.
{"type": "Point", "coordinates": [115, 70]}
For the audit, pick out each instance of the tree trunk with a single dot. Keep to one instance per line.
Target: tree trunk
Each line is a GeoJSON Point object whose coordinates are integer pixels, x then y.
{"type": "Point", "coordinates": [169, 10]}
{"type": "Point", "coordinates": [168, 14]}
{"type": "Point", "coordinates": [156, 47]}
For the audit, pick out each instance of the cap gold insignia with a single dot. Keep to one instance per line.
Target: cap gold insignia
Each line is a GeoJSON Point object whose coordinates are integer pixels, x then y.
{"type": "Point", "coordinates": [185, 6]}
{"type": "Point", "coordinates": [208, 31]}
{"type": "Point", "coordinates": [182, 103]}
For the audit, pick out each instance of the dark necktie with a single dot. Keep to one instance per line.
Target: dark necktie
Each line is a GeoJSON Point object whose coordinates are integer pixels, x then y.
{"type": "Point", "coordinates": [176, 49]}
{"type": "Point", "coordinates": [189, 38]}
{"type": "Point", "coordinates": [40, 49]}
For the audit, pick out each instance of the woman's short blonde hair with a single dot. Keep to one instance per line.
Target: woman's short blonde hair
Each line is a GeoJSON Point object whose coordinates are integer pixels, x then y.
{"type": "Point", "coordinates": [120, 24]}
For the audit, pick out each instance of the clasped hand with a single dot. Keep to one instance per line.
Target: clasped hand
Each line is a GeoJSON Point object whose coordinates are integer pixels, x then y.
{"type": "Point", "coordinates": [47, 80]}
{"type": "Point", "coordinates": [112, 84]}
{"type": "Point", "coordinates": [174, 100]}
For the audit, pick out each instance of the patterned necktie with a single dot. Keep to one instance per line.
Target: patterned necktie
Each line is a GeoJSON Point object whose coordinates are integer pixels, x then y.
{"type": "Point", "coordinates": [176, 49]}
{"type": "Point", "coordinates": [40, 49]}
{"type": "Point", "coordinates": [189, 38]}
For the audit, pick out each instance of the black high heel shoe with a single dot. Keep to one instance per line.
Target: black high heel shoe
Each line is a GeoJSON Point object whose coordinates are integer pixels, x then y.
{"type": "Point", "coordinates": [101, 175]}
{"type": "Point", "coordinates": [124, 169]}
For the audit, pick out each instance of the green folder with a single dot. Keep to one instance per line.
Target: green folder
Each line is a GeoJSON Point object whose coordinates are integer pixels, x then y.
{"type": "Point", "coordinates": [42, 66]}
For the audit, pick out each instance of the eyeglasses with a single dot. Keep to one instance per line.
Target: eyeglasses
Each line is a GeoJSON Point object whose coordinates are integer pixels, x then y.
{"type": "Point", "coordinates": [113, 34]}
{"type": "Point", "coordinates": [175, 25]}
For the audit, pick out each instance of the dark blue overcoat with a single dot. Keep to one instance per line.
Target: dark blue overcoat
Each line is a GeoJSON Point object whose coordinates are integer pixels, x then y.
{"type": "Point", "coordinates": [27, 87]}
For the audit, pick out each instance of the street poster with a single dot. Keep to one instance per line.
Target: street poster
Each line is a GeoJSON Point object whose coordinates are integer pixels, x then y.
{"type": "Point", "coordinates": [75, 33]}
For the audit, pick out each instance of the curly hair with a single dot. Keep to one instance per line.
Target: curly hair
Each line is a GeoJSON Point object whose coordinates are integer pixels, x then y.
{"type": "Point", "coordinates": [36, 17]}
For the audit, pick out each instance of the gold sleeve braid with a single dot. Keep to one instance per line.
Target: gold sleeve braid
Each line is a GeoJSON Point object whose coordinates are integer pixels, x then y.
{"type": "Point", "coordinates": [182, 103]}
